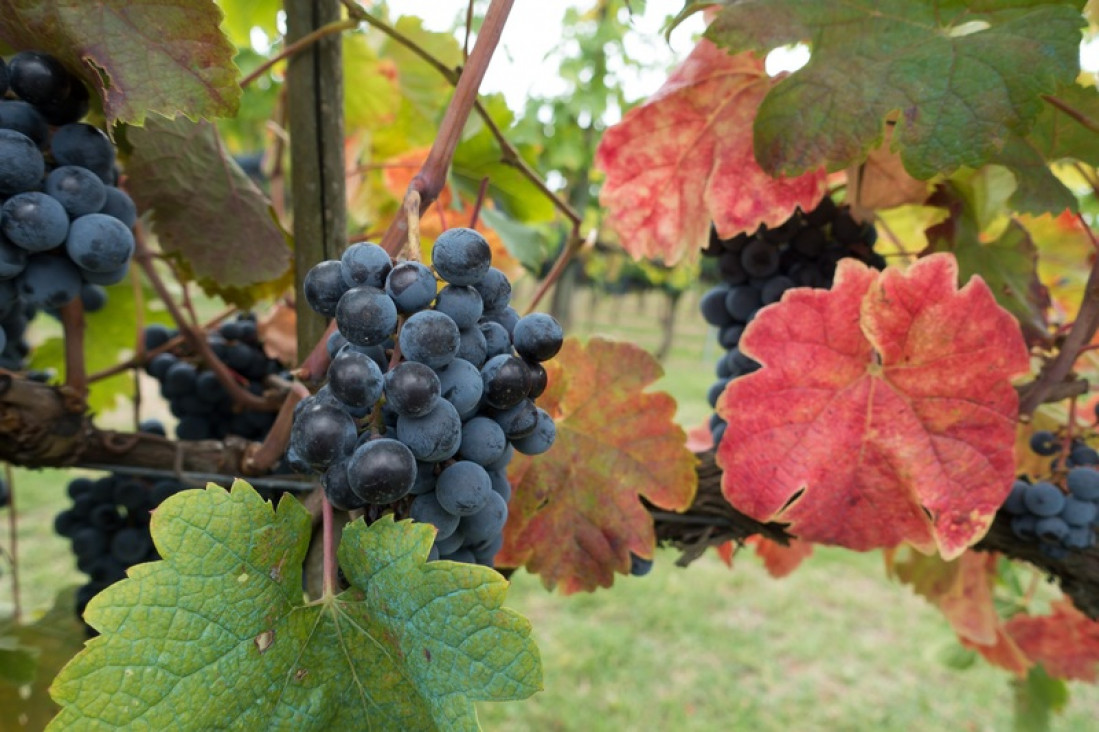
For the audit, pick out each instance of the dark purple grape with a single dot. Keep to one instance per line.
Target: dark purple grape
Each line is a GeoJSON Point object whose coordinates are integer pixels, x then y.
{"type": "Point", "coordinates": [463, 488]}
{"type": "Point", "coordinates": [426, 509]}
{"type": "Point", "coordinates": [355, 379]}
{"type": "Point", "coordinates": [495, 289]}
{"type": "Point", "coordinates": [431, 338]}
{"type": "Point", "coordinates": [461, 256]}
{"type": "Point", "coordinates": [366, 316]}
{"type": "Point", "coordinates": [381, 471]}
{"type": "Point", "coordinates": [322, 434]}
{"type": "Point", "coordinates": [411, 285]}
{"type": "Point", "coordinates": [1083, 483]}
{"type": "Point", "coordinates": [39, 78]}
{"type": "Point", "coordinates": [760, 258]}
{"type": "Point", "coordinates": [324, 286]}
{"type": "Point", "coordinates": [1044, 499]}
{"type": "Point", "coordinates": [506, 381]}
{"type": "Point", "coordinates": [537, 337]}
{"type": "Point", "coordinates": [21, 164]}
{"type": "Point", "coordinates": [411, 389]}
{"type": "Point", "coordinates": [365, 263]}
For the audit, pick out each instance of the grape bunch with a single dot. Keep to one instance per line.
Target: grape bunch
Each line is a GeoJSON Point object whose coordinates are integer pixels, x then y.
{"type": "Point", "coordinates": [195, 396]}
{"type": "Point", "coordinates": [65, 229]}
{"type": "Point", "coordinates": [1060, 520]}
{"type": "Point", "coordinates": [430, 391]}
{"type": "Point", "coordinates": [757, 268]}
{"type": "Point", "coordinates": [108, 526]}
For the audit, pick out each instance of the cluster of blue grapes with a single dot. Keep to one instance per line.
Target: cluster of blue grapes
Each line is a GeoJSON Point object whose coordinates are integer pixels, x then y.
{"type": "Point", "coordinates": [1041, 511]}
{"type": "Point", "coordinates": [65, 229]}
{"type": "Point", "coordinates": [430, 391]}
{"type": "Point", "coordinates": [757, 268]}
{"type": "Point", "coordinates": [195, 396]}
{"type": "Point", "coordinates": [108, 525]}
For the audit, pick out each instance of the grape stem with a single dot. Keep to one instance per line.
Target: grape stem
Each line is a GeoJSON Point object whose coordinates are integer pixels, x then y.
{"type": "Point", "coordinates": [327, 519]}
{"type": "Point", "coordinates": [482, 191]}
{"type": "Point", "coordinates": [431, 178]}
{"type": "Point", "coordinates": [72, 324]}
{"type": "Point", "coordinates": [572, 246]}
{"type": "Point", "coordinates": [411, 208]}
{"type": "Point", "coordinates": [297, 46]}
{"type": "Point", "coordinates": [195, 337]}
{"type": "Point", "coordinates": [1083, 329]}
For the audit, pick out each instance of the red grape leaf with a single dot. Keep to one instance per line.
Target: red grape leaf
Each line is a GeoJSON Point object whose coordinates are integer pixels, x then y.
{"type": "Point", "coordinates": [1004, 652]}
{"type": "Point", "coordinates": [725, 552]}
{"type": "Point", "coordinates": [1065, 642]}
{"type": "Point", "coordinates": [684, 158]}
{"type": "Point", "coordinates": [961, 588]}
{"type": "Point", "coordinates": [780, 560]}
{"type": "Point", "coordinates": [576, 514]}
{"type": "Point", "coordinates": [884, 411]}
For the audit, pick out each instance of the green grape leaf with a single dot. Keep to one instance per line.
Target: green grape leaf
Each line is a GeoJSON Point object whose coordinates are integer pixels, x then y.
{"type": "Point", "coordinates": [479, 156]}
{"type": "Point", "coordinates": [957, 78]}
{"type": "Point", "coordinates": [206, 211]}
{"type": "Point", "coordinates": [376, 98]}
{"type": "Point", "coordinates": [31, 654]}
{"type": "Point", "coordinates": [1036, 699]}
{"type": "Point", "coordinates": [109, 337]}
{"type": "Point", "coordinates": [1008, 263]}
{"type": "Point", "coordinates": [222, 619]}
{"type": "Point", "coordinates": [526, 243]}
{"type": "Point", "coordinates": [141, 56]}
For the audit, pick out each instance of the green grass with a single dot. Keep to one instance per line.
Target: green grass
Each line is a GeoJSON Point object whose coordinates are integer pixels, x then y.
{"type": "Point", "coordinates": [835, 646]}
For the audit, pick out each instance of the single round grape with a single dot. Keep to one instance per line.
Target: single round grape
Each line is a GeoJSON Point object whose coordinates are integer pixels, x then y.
{"type": "Point", "coordinates": [365, 263]}
{"type": "Point", "coordinates": [1044, 499]}
{"type": "Point", "coordinates": [71, 109]}
{"type": "Point", "coordinates": [1051, 528]}
{"type": "Point", "coordinates": [1083, 483]}
{"type": "Point", "coordinates": [1078, 512]}
{"type": "Point", "coordinates": [324, 286]}
{"type": "Point", "coordinates": [463, 488]}
{"type": "Point", "coordinates": [742, 302]}
{"type": "Point", "coordinates": [712, 306]}
{"type": "Point", "coordinates": [412, 388]}
{"type": "Point", "coordinates": [322, 434]}
{"type": "Point", "coordinates": [497, 340]}
{"type": "Point", "coordinates": [775, 287]}
{"type": "Point", "coordinates": [506, 381]}
{"type": "Point", "coordinates": [21, 164]}
{"type": "Point", "coordinates": [38, 77]}
{"type": "Point", "coordinates": [518, 421]}
{"type": "Point", "coordinates": [495, 290]}
{"type": "Point", "coordinates": [94, 297]}
{"type": "Point", "coordinates": [22, 117]}
{"type": "Point", "coordinates": [366, 316]}
{"type": "Point", "coordinates": [77, 189]}
{"type": "Point", "coordinates": [84, 145]}
{"type": "Point", "coordinates": [430, 337]}
{"type": "Point", "coordinates": [121, 206]}
{"type": "Point", "coordinates": [355, 379]}
{"type": "Point", "coordinates": [1083, 455]}
{"type": "Point", "coordinates": [1015, 503]}
{"type": "Point", "coordinates": [130, 546]}
{"type": "Point", "coordinates": [506, 317]}
{"type": "Point", "coordinates": [35, 221]}
{"type": "Point", "coordinates": [639, 566]}
{"type": "Point", "coordinates": [462, 304]}
{"type": "Point", "coordinates": [109, 277]}
{"type": "Point", "coordinates": [537, 337]}
{"type": "Point", "coordinates": [427, 510]}
{"type": "Point", "coordinates": [461, 385]}
{"type": "Point", "coordinates": [435, 436]}
{"type": "Point", "coordinates": [500, 484]}
{"type": "Point", "coordinates": [472, 346]}
{"type": "Point", "coordinates": [541, 439]}
{"type": "Point", "coordinates": [411, 285]}
{"type": "Point", "coordinates": [483, 441]}
{"type": "Point", "coordinates": [488, 523]}
{"type": "Point", "coordinates": [461, 256]}
{"type": "Point", "coordinates": [381, 471]}
{"type": "Point", "coordinates": [99, 243]}
{"type": "Point", "coordinates": [760, 258]}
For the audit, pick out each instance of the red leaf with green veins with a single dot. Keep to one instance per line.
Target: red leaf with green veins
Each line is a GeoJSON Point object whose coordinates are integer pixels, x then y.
{"type": "Point", "coordinates": [575, 513]}
{"type": "Point", "coordinates": [884, 411]}
{"type": "Point", "coordinates": [1066, 642]}
{"type": "Point", "coordinates": [684, 158]}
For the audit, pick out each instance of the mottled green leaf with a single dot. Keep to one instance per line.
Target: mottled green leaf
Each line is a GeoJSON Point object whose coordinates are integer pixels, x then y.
{"type": "Point", "coordinates": [218, 633]}
{"type": "Point", "coordinates": [958, 78]}
{"type": "Point", "coordinates": [372, 99]}
{"type": "Point", "coordinates": [142, 56]}
{"type": "Point", "coordinates": [109, 337]}
{"type": "Point", "coordinates": [205, 209]}
{"type": "Point", "coordinates": [47, 644]}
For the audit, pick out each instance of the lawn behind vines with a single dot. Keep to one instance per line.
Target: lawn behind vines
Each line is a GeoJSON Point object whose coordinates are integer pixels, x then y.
{"type": "Point", "coordinates": [834, 646]}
